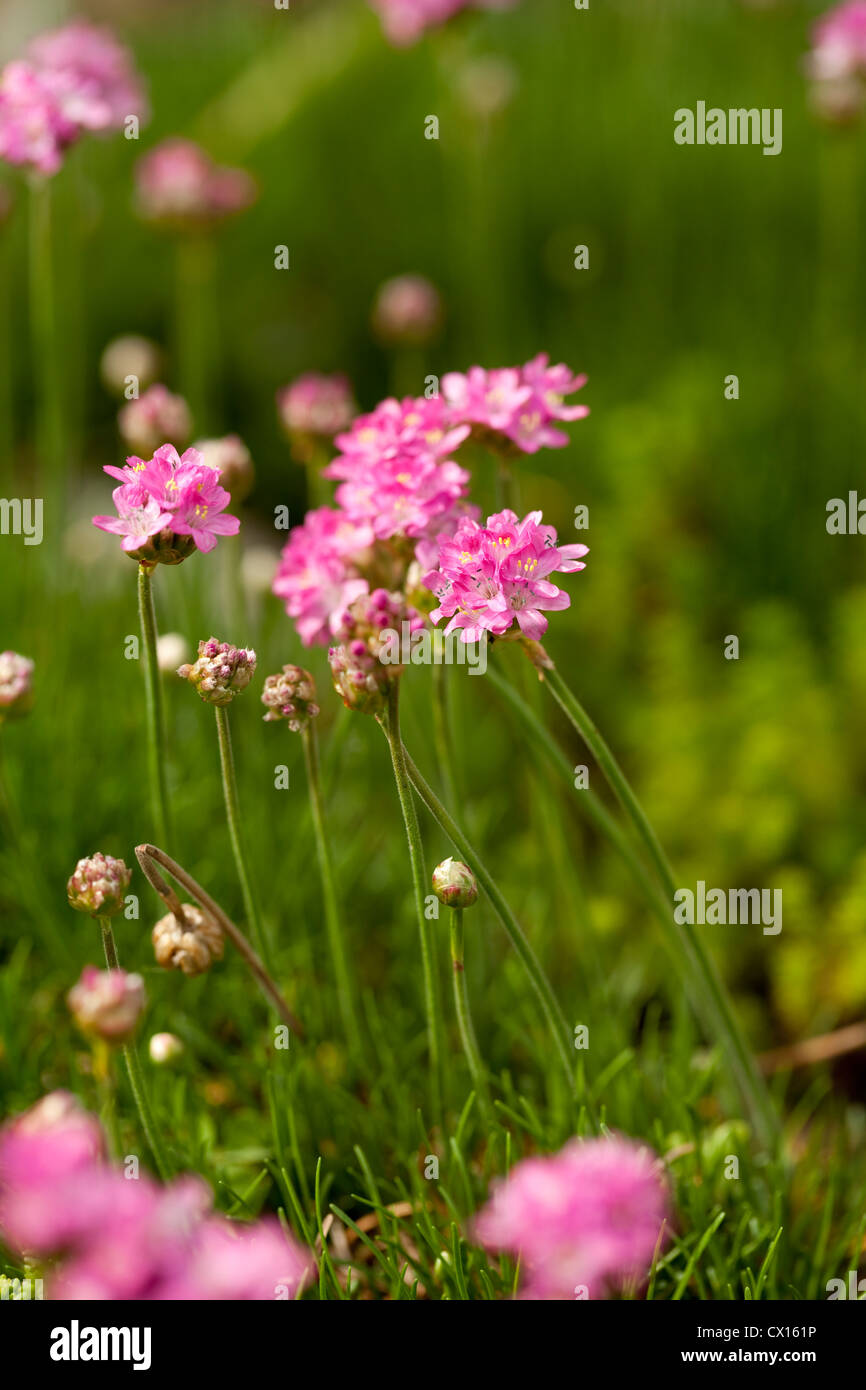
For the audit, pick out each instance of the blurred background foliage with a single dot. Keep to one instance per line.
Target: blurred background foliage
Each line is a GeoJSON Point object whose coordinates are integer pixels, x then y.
{"type": "Point", "coordinates": [707, 516]}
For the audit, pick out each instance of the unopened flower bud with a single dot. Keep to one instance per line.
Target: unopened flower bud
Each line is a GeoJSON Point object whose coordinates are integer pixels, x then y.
{"type": "Point", "coordinates": [221, 671]}
{"type": "Point", "coordinates": [107, 1003]}
{"type": "Point", "coordinates": [230, 458]}
{"type": "Point", "coordinates": [192, 947]}
{"type": "Point", "coordinates": [16, 686]}
{"type": "Point", "coordinates": [164, 1048]}
{"type": "Point", "coordinates": [454, 883]}
{"type": "Point", "coordinates": [99, 885]}
{"type": "Point", "coordinates": [129, 357]}
{"type": "Point", "coordinates": [291, 695]}
{"type": "Point", "coordinates": [364, 663]}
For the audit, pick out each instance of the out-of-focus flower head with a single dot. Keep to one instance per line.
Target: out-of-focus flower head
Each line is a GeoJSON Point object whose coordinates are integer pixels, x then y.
{"type": "Point", "coordinates": [232, 462]}
{"type": "Point", "coordinates": [172, 650]}
{"type": "Point", "coordinates": [107, 1004]}
{"type": "Point", "coordinates": [34, 132]}
{"type": "Point", "coordinates": [221, 671]}
{"type": "Point", "coordinates": [590, 1216]}
{"type": "Point", "coordinates": [130, 357]}
{"type": "Point", "coordinates": [16, 686]}
{"type": "Point", "coordinates": [408, 310]}
{"type": "Point", "coordinates": [290, 696]}
{"type": "Point", "coordinates": [394, 468]}
{"type": "Point", "coordinates": [98, 885]}
{"type": "Point", "coordinates": [404, 21]}
{"type": "Point", "coordinates": [154, 416]}
{"type": "Point", "coordinates": [521, 404]}
{"type": "Point", "coordinates": [359, 670]}
{"type": "Point", "coordinates": [836, 63]}
{"type": "Point", "coordinates": [167, 507]}
{"type": "Point", "coordinates": [316, 404]}
{"type": "Point", "coordinates": [490, 577]}
{"type": "Point", "coordinates": [317, 576]}
{"type": "Point", "coordinates": [192, 947]}
{"type": "Point", "coordinates": [90, 62]}
{"type": "Point", "coordinates": [164, 1048]}
{"type": "Point", "coordinates": [44, 1151]}
{"type": "Point", "coordinates": [179, 186]}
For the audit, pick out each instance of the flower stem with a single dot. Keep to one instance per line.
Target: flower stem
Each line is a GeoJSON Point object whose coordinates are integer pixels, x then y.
{"type": "Point", "coordinates": [133, 1067]}
{"type": "Point", "coordinates": [559, 1030]}
{"type": "Point", "coordinates": [416, 858]}
{"type": "Point", "coordinates": [461, 1008]}
{"type": "Point", "coordinates": [442, 735]}
{"type": "Point", "coordinates": [155, 718]}
{"type": "Point", "coordinates": [233, 815]}
{"type": "Point", "coordinates": [708, 990]}
{"type": "Point", "coordinates": [43, 318]}
{"type": "Point", "coordinates": [333, 919]}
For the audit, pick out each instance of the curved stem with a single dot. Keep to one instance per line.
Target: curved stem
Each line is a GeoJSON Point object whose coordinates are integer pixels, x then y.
{"type": "Point", "coordinates": [153, 700]}
{"type": "Point", "coordinates": [416, 859]}
{"type": "Point", "coordinates": [233, 816]}
{"type": "Point", "coordinates": [333, 917]}
{"type": "Point", "coordinates": [133, 1067]}
{"type": "Point", "coordinates": [461, 1008]}
{"type": "Point", "coordinates": [555, 1018]}
{"type": "Point", "coordinates": [708, 989]}
{"type": "Point", "coordinates": [148, 856]}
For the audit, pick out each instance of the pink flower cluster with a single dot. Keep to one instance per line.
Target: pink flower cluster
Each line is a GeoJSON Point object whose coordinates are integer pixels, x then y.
{"type": "Point", "coordinates": [317, 576]}
{"type": "Point", "coordinates": [490, 576]}
{"type": "Point", "coordinates": [73, 80]}
{"type": "Point", "coordinates": [521, 403]}
{"type": "Point", "coordinates": [167, 507]}
{"type": "Point", "coordinates": [583, 1221]}
{"type": "Point", "coordinates": [404, 21]}
{"type": "Point", "coordinates": [839, 42]}
{"type": "Point", "coordinates": [316, 404]}
{"type": "Point", "coordinates": [178, 184]}
{"type": "Point", "coordinates": [118, 1238]}
{"type": "Point", "coordinates": [154, 415]}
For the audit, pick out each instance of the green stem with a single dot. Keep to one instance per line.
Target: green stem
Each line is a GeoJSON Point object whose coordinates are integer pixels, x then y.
{"type": "Point", "coordinates": [442, 735]}
{"type": "Point", "coordinates": [559, 1030]}
{"type": "Point", "coordinates": [233, 815]}
{"type": "Point", "coordinates": [133, 1067]}
{"type": "Point", "coordinates": [709, 992]}
{"type": "Point", "coordinates": [155, 719]}
{"type": "Point", "coordinates": [432, 1003]}
{"type": "Point", "coordinates": [333, 918]}
{"type": "Point", "coordinates": [461, 1008]}
{"type": "Point", "coordinates": [195, 331]}
{"type": "Point", "coordinates": [43, 319]}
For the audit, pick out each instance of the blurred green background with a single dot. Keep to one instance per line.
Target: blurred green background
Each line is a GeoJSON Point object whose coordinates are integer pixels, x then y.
{"type": "Point", "coordinates": [707, 516]}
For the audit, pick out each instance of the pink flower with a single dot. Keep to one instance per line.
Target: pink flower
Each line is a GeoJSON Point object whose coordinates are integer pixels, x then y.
{"type": "Point", "coordinates": [317, 578]}
{"type": "Point", "coordinates": [396, 474]}
{"type": "Point", "coordinates": [839, 43]}
{"type": "Point", "coordinates": [589, 1217]}
{"type": "Point", "coordinates": [521, 403]}
{"type": "Point", "coordinates": [33, 129]}
{"type": "Point", "coordinates": [94, 69]}
{"type": "Point", "coordinates": [156, 414]}
{"type": "Point", "coordinates": [316, 404]}
{"type": "Point", "coordinates": [233, 1262]}
{"type": "Point", "coordinates": [177, 183]}
{"type": "Point", "coordinates": [490, 576]}
{"type": "Point", "coordinates": [16, 685]}
{"type": "Point", "coordinates": [42, 1152]}
{"type": "Point", "coordinates": [107, 1003]}
{"type": "Point", "coordinates": [168, 506]}
{"type": "Point", "coordinates": [408, 309]}
{"type": "Point", "coordinates": [404, 21]}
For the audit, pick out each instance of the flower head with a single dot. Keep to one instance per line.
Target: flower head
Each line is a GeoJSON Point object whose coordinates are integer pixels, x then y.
{"type": "Point", "coordinates": [154, 416]}
{"type": "Point", "coordinates": [164, 1048]}
{"type": "Point", "coordinates": [454, 884]}
{"type": "Point", "coordinates": [221, 671]}
{"type": "Point", "coordinates": [490, 577]}
{"type": "Point", "coordinates": [839, 42]}
{"type": "Point", "coordinates": [90, 63]}
{"type": "Point", "coordinates": [317, 577]}
{"type": "Point", "coordinates": [591, 1215]}
{"type": "Point", "coordinates": [34, 132]}
{"type": "Point", "coordinates": [192, 947]}
{"type": "Point", "coordinates": [179, 185]}
{"type": "Point", "coordinates": [408, 310]}
{"type": "Point", "coordinates": [16, 686]}
{"type": "Point", "coordinates": [404, 21]}
{"type": "Point", "coordinates": [520, 405]}
{"type": "Point", "coordinates": [290, 695]}
{"type": "Point", "coordinates": [107, 1003]}
{"type": "Point", "coordinates": [361, 668]}
{"type": "Point", "coordinates": [168, 506]}
{"type": "Point", "coordinates": [98, 885]}
{"type": "Point", "coordinates": [316, 404]}
{"type": "Point", "coordinates": [126, 357]}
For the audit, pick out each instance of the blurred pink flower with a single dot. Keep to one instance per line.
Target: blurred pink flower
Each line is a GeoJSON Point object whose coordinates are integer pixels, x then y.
{"type": "Point", "coordinates": [16, 685]}
{"type": "Point", "coordinates": [33, 129]}
{"type": "Point", "coordinates": [839, 42]}
{"type": "Point", "coordinates": [404, 21]}
{"type": "Point", "coordinates": [107, 1003]}
{"type": "Point", "coordinates": [589, 1217]}
{"type": "Point", "coordinates": [490, 576]}
{"type": "Point", "coordinates": [155, 415]}
{"type": "Point", "coordinates": [408, 309]}
{"type": "Point", "coordinates": [317, 404]}
{"type": "Point", "coordinates": [93, 68]}
{"type": "Point", "coordinates": [521, 403]}
{"type": "Point", "coordinates": [395, 472]}
{"type": "Point", "coordinates": [177, 183]}
{"type": "Point", "coordinates": [316, 577]}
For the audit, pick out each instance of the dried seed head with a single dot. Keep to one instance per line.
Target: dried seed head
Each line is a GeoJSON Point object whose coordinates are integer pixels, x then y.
{"type": "Point", "coordinates": [98, 885]}
{"type": "Point", "coordinates": [291, 695]}
{"type": "Point", "coordinates": [454, 883]}
{"type": "Point", "coordinates": [221, 671]}
{"type": "Point", "coordinates": [192, 948]}
{"type": "Point", "coordinates": [107, 1003]}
